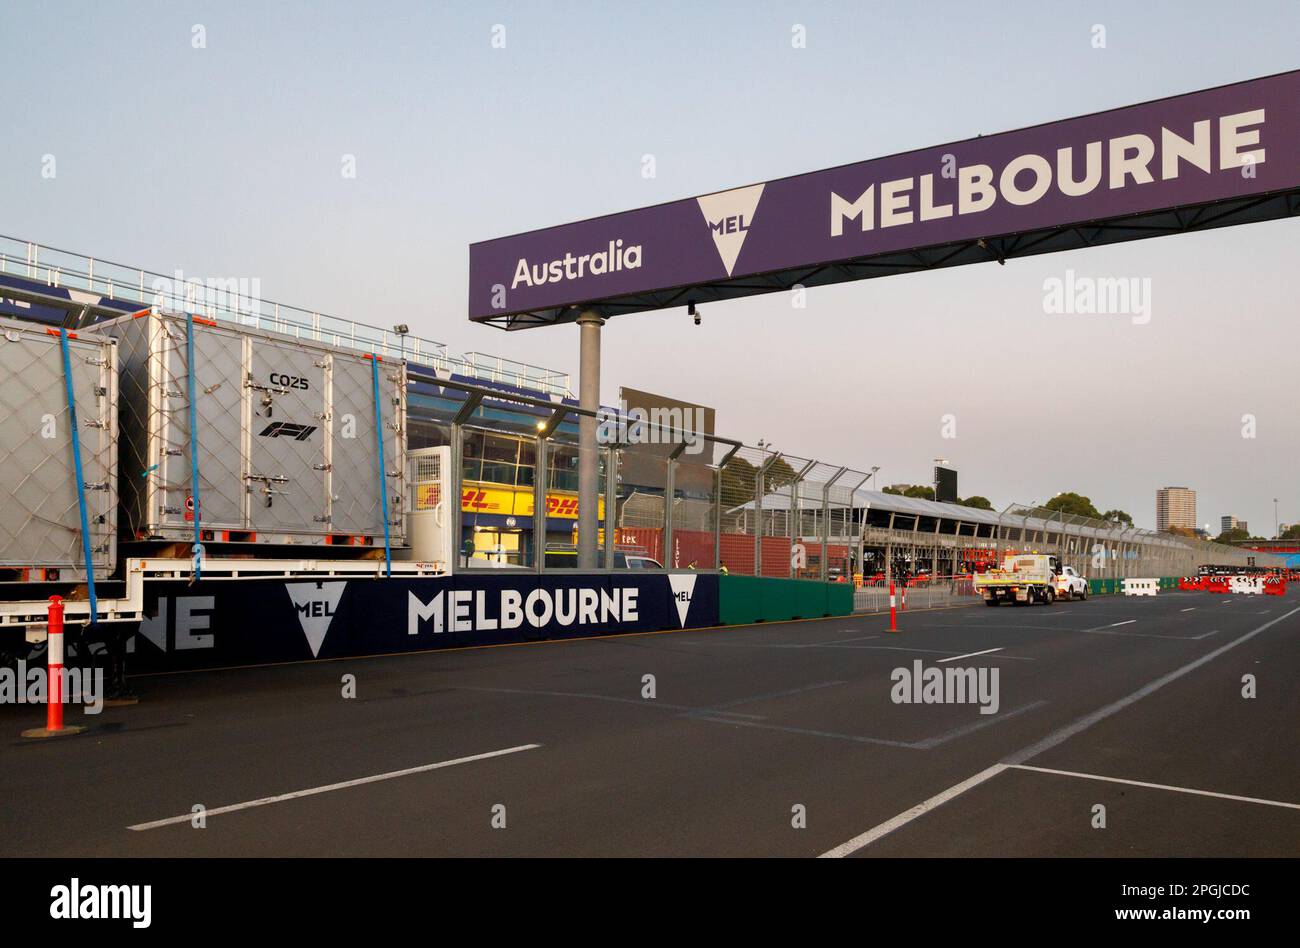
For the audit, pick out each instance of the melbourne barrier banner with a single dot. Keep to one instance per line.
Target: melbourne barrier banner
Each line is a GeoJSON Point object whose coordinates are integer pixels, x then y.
{"type": "Point", "coordinates": [1235, 141]}
{"type": "Point", "coordinates": [238, 622]}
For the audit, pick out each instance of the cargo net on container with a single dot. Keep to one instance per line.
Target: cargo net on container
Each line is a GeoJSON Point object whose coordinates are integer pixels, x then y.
{"type": "Point", "coordinates": [289, 438]}
{"type": "Point", "coordinates": [40, 507]}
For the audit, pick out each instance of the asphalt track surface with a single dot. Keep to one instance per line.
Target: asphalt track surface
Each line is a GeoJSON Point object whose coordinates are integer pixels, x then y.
{"type": "Point", "coordinates": [747, 724]}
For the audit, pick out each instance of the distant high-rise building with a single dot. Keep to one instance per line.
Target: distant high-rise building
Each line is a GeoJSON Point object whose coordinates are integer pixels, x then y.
{"type": "Point", "coordinates": [1175, 507]}
{"type": "Point", "coordinates": [1232, 523]}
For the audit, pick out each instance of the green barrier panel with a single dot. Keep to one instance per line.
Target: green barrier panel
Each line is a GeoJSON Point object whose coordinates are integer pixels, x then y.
{"type": "Point", "coordinates": [739, 599]}
{"type": "Point", "coordinates": [806, 598]}
{"type": "Point", "coordinates": [1114, 587]}
{"type": "Point", "coordinates": [746, 599]}
{"type": "Point", "coordinates": [839, 599]}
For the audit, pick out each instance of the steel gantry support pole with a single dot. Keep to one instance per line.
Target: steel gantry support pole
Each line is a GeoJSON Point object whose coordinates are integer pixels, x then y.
{"type": "Point", "coordinates": [589, 324]}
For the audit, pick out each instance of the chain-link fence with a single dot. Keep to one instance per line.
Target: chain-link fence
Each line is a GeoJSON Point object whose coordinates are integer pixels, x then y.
{"type": "Point", "coordinates": [668, 498]}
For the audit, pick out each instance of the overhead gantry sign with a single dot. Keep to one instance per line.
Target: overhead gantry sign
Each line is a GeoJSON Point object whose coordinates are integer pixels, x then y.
{"type": "Point", "coordinates": [1222, 156]}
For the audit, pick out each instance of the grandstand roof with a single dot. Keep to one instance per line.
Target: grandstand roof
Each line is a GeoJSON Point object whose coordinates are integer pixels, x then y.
{"type": "Point", "coordinates": [915, 506]}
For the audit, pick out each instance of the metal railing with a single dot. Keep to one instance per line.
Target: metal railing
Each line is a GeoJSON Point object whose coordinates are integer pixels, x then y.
{"type": "Point", "coordinates": [238, 300]}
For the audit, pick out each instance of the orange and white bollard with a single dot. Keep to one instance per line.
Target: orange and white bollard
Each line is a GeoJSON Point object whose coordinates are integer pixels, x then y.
{"type": "Point", "coordinates": [54, 667]}
{"type": "Point", "coordinates": [54, 677]}
{"type": "Point", "coordinates": [893, 612]}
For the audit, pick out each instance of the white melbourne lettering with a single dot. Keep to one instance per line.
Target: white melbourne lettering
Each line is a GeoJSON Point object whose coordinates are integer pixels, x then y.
{"type": "Point", "coordinates": [1074, 171]}
{"type": "Point", "coordinates": [468, 610]}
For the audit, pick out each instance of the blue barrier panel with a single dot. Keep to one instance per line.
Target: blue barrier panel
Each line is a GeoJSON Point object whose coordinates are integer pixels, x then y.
{"type": "Point", "coordinates": [239, 622]}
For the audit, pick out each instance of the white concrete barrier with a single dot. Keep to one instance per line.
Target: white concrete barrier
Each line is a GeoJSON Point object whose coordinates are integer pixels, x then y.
{"type": "Point", "coordinates": [1247, 585]}
{"type": "Point", "coordinates": [1141, 587]}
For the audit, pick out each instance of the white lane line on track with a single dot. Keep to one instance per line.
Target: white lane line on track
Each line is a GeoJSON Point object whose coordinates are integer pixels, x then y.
{"type": "Point", "coordinates": [1125, 622]}
{"type": "Point", "coordinates": [987, 651]}
{"type": "Point", "coordinates": [1056, 737]}
{"type": "Point", "coordinates": [1157, 786]}
{"type": "Point", "coordinates": [641, 702]}
{"type": "Point", "coordinates": [343, 785]}
{"type": "Point", "coordinates": [1188, 609]}
{"type": "Point", "coordinates": [932, 742]}
{"type": "Point", "coordinates": [887, 827]}
{"type": "Point", "coordinates": [788, 692]}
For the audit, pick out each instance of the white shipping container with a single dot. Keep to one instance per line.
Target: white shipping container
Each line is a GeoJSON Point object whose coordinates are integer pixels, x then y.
{"type": "Point", "coordinates": [285, 428]}
{"type": "Point", "coordinates": [40, 518]}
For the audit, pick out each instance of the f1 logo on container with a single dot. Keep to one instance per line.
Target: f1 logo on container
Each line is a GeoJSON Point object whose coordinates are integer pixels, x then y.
{"type": "Point", "coordinates": [287, 429]}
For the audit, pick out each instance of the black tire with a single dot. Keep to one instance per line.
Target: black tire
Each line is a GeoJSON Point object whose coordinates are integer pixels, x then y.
{"type": "Point", "coordinates": [990, 602]}
{"type": "Point", "coordinates": [1083, 594]}
{"type": "Point", "coordinates": [1049, 596]}
{"type": "Point", "coordinates": [1029, 599]}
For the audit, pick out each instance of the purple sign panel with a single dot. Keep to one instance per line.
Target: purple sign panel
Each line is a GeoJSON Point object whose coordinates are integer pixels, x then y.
{"type": "Point", "coordinates": [1235, 141]}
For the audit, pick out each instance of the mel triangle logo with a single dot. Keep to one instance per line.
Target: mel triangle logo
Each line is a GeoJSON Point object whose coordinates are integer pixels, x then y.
{"type": "Point", "coordinates": [729, 214]}
{"type": "Point", "coordinates": [683, 586]}
{"type": "Point", "coordinates": [316, 604]}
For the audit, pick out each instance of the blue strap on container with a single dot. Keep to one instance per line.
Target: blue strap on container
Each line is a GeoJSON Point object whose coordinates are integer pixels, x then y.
{"type": "Point", "coordinates": [77, 471]}
{"type": "Point", "coordinates": [194, 443]}
{"type": "Point", "coordinates": [383, 477]}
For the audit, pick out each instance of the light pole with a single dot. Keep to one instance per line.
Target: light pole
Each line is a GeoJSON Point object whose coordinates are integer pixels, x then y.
{"type": "Point", "coordinates": [1277, 530]}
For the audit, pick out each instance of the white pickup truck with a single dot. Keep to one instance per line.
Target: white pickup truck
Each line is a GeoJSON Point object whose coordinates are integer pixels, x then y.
{"type": "Point", "coordinates": [1023, 578]}
{"type": "Point", "coordinates": [1070, 585]}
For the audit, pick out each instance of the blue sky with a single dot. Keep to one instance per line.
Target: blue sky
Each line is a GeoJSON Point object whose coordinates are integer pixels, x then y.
{"type": "Point", "coordinates": [225, 161]}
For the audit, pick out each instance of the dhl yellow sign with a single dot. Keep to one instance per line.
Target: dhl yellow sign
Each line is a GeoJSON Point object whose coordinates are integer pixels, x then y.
{"type": "Point", "coordinates": [518, 502]}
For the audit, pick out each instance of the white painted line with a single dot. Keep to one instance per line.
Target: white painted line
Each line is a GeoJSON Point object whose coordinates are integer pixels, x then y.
{"type": "Point", "coordinates": [1188, 609]}
{"type": "Point", "coordinates": [312, 791]}
{"type": "Point", "coordinates": [1158, 786]}
{"type": "Point", "coordinates": [1088, 720]}
{"type": "Point", "coordinates": [789, 692]}
{"type": "Point", "coordinates": [887, 827]}
{"type": "Point", "coordinates": [1125, 622]}
{"type": "Point", "coordinates": [987, 651]}
{"type": "Point", "coordinates": [1056, 737]}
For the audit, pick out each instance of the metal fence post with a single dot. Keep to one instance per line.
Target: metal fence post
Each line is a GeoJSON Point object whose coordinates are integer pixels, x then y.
{"type": "Point", "coordinates": [458, 492]}
{"type": "Point", "coordinates": [539, 503]}
{"type": "Point", "coordinates": [670, 495]}
{"type": "Point", "coordinates": [717, 518]}
{"type": "Point", "coordinates": [611, 503]}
